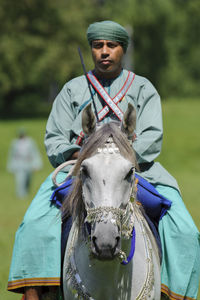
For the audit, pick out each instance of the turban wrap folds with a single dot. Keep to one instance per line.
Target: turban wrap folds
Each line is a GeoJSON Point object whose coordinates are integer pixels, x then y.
{"type": "Point", "coordinates": [108, 30]}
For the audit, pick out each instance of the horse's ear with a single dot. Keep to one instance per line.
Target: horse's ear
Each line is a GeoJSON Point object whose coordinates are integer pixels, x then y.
{"type": "Point", "coordinates": [129, 121]}
{"type": "Point", "coordinates": [88, 120]}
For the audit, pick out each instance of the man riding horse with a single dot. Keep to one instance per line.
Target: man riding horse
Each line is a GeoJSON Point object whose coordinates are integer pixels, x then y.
{"type": "Point", "coordinates": [36, 259]}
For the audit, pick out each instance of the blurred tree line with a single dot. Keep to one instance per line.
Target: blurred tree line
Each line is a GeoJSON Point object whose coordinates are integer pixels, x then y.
{"type": "Point", "coordinates": [39, 41]}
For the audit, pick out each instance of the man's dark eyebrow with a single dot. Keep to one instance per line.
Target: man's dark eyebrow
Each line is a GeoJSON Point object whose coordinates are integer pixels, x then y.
{"type": "Point", "coordinates": [108, 43]}
{"type": "Point", "coordinates": [112, 43]}
{"type": "Point", "coordinates": [97, 42]}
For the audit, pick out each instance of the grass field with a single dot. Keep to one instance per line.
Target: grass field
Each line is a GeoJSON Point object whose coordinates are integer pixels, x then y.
{"type": "Point", "coordinates": [180, 156]}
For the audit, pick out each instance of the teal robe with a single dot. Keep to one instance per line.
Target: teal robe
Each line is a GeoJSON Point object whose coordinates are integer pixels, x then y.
{"type": "Point", "coordinates": [64, 123]}
{"type": "Point", "coordinates": [36, 258]}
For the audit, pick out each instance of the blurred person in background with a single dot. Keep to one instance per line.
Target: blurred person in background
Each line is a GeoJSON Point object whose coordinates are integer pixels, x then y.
{"type": "Point", "coordinates": [23, 159]}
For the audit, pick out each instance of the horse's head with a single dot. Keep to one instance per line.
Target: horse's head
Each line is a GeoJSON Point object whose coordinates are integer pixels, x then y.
{"type": "Point", "coordinates": [107, 178]}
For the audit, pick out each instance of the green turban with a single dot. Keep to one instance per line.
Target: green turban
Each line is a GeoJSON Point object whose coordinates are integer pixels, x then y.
{"type": "Point", "coordinates": [108, 30]}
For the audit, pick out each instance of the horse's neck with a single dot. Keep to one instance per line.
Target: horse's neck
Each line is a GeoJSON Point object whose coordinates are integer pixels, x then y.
{"type": "Point", "coordinates": [145, 274]}
{"type": "Point", "coordinates": [103, 279]}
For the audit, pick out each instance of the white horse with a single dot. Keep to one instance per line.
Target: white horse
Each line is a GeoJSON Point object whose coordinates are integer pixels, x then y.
{"type": "Point", "coordinates": [111, 253]}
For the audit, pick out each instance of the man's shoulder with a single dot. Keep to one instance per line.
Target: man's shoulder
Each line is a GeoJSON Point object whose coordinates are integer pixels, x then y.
{"type": "Point", "coordinates": [76, 82]}
{"type": "Point", "coordinates": [73, 88]}
{"type": "Point", "coordinates": [141, 80]}
{"type": "Point", "coordinates": [142, 83]}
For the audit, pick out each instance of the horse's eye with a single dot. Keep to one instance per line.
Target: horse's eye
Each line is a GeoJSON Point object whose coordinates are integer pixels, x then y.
{"type": "Point", "coordinates": [84, 171]}
{"type": "Point", "coordinates": [129, 175]}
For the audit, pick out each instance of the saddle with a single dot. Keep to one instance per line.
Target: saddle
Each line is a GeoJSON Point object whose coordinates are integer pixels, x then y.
{"type": "Point", "coordinates": [154, 204]}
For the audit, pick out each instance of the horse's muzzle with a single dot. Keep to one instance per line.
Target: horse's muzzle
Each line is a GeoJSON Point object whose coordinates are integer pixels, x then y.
{"type": "Point", "coordinates": [105, 241]}
{"type": "Point", "coordinates": [107, 252]}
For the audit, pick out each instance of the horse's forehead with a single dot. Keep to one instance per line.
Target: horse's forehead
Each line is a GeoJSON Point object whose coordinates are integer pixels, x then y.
{"type": "Point", "coordinates": [108, 162]}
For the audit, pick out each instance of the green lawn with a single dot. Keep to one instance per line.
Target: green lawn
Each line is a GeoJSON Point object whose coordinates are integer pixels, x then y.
{"type": "Point", "coordinates": [181, 149]}
{"type": "Point", "coordinates": [180, 155]}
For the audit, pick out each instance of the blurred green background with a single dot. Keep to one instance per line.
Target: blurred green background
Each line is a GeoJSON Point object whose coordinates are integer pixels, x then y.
{"type": "Point", "coordinates": [39, 41]}
{"type": "Point", "coordinates": [38, 51]}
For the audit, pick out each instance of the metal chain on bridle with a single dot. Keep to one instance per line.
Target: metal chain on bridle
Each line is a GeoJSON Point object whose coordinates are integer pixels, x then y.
{"type": "Point", "coordinates": [122, 217]}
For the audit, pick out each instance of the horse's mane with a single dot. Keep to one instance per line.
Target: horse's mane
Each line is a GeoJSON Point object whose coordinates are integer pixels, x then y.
{"type": "Point", "coordinates": [73, 204]}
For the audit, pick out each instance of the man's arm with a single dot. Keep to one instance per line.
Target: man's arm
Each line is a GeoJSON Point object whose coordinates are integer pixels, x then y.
{"type": "Point", "coordinates": [75, 155]}
{"type": "Point", "coordinates": [149, 128]}
{"type": "Point", "coordinates": [58, 130]}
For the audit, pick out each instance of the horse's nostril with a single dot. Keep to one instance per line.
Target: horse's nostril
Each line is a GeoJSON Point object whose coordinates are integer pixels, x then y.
{"type": "Point", "coordinates": [117, 241]}
{"type": "Point", "coordinates": [117, 245]}
{"type": "Point", "coordinates": [95, 244]}
{"type": "Point", "coordinates": [115, 249]}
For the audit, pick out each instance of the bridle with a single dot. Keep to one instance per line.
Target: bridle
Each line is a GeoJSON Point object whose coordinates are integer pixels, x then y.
{"type": "Point", "coordinates": [122, 217]}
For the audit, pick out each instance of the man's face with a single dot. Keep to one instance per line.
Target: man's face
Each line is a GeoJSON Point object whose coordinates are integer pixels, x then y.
{"type": "Point", "coordinates": [107, 57]}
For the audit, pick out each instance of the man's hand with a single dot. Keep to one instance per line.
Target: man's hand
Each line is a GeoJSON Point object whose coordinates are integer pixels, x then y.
{"type": "Point", "coordinates": [75, 155]}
